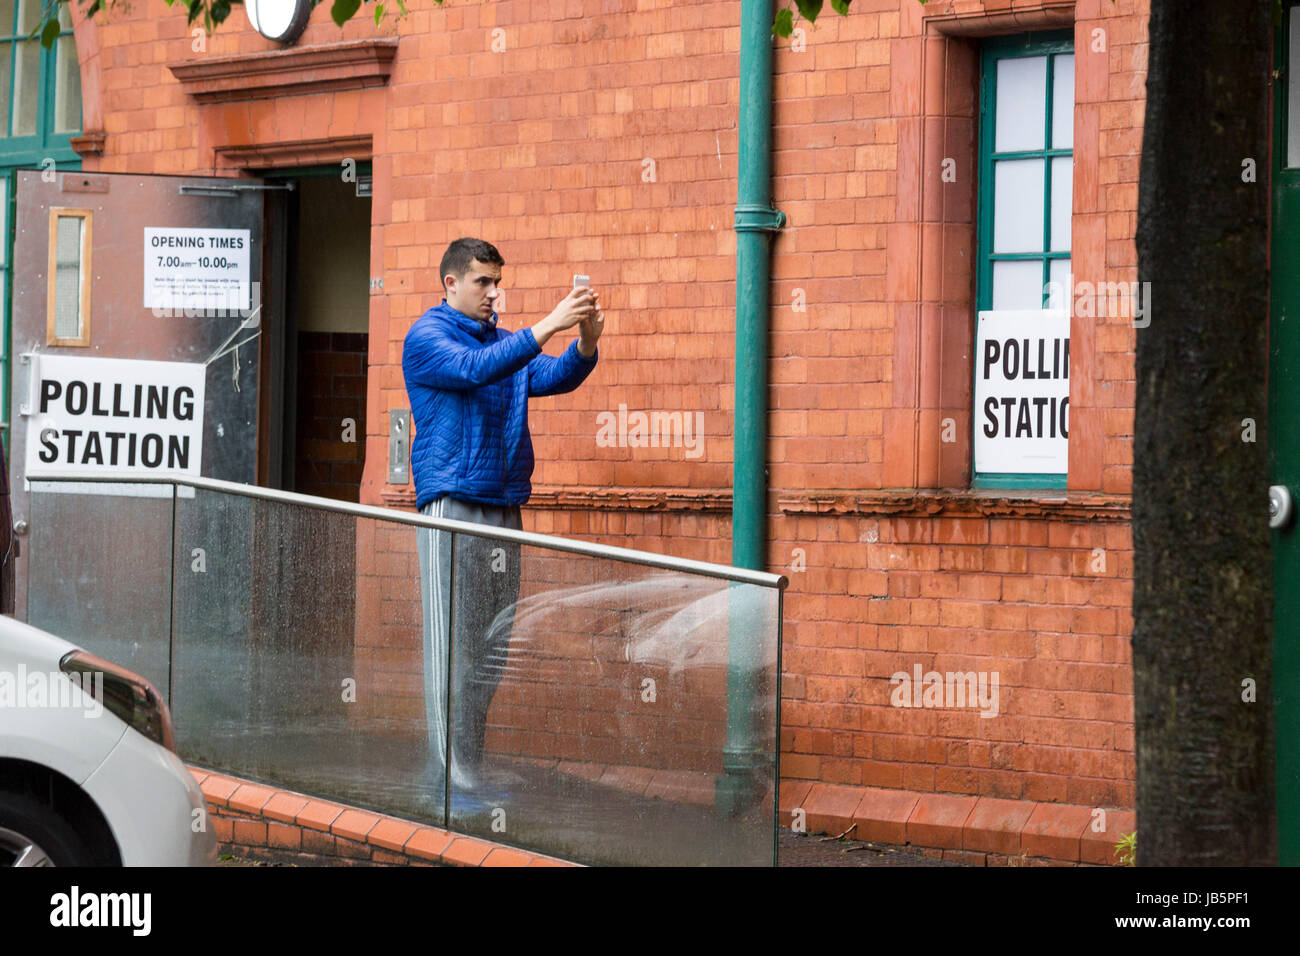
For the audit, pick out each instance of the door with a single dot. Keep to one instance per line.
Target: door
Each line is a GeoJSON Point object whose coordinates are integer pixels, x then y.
{"type": "Point", "coordinates": [1284, 433]}
{"type": "Point", "coordinates": [114, 272]}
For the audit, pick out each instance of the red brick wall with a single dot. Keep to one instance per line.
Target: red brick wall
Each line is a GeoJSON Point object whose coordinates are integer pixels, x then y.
{"type": "Point", "coordinates": [542, 150]}
{"type": "Point", "coordinates": [331, 389]}
{"type": "Point", "coordinates": [960, 594]}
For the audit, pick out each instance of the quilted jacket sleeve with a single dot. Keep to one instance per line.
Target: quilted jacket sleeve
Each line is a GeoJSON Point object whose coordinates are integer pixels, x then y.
{"type": "Point", "coordinates": [555, 376]}
{"type": "Point", "coordinates": [431, 357]}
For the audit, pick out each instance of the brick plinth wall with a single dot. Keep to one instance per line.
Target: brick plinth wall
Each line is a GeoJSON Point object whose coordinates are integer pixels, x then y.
{"type": "Point", "coordinates": [973, 831]}
{"type": "Point", "coordinates": [265, 823]}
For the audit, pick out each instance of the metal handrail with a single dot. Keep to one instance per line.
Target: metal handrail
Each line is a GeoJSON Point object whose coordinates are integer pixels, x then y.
{"type": "Point", "coordinates": [588, 548]}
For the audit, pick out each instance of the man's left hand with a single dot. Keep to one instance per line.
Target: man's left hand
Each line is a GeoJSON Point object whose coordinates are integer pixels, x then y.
{"type": "Point", "coordinates": [589, 331]}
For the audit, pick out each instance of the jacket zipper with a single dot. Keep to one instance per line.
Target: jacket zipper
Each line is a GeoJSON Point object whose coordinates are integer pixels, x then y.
{"type": "Point", "coordinates": [504, 450]}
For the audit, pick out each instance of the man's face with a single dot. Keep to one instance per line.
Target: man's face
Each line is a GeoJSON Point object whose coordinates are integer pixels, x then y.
{"type": "Point", "coordinates": [476, 292]}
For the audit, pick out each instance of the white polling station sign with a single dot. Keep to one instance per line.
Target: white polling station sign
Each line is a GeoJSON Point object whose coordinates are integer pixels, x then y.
{"type": "Point", "coordinates": [103, 416]}
{"type": "Point", "coordinates": [1022, 392]}
{"type": "Point", "coordinates": [193, 271]}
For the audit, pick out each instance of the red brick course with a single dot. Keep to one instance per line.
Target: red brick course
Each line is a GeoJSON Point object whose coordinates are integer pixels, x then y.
{"type": "Point", "coordinates": [983, 832]}
{"type": "Point", "coordinates": [325, 833]}
{"type": "Point", "coordinates": [974, 832]}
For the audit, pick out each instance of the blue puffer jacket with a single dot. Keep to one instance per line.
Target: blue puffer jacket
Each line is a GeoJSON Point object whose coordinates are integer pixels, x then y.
{"type": "Point", "coordinates": [469, 383]}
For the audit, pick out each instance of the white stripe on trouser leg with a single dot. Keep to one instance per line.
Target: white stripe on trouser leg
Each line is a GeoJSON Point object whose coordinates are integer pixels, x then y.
{"type": "Point", "coordinates": [430, 637]}
{"type": "Point", "coordinates": [442, 645]}
{"type": "Point", "coordinates": [440, 683]}
{"type": "Point", "coordinates": [458, 778]}
{"type": "Point", "coordinates": [435, 646]}
{"type": "Point", "coordinates": [444, 640]}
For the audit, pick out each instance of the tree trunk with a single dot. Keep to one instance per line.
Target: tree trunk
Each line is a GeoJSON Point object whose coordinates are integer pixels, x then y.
{"type": "Point", "coordinates": [1202, 594]}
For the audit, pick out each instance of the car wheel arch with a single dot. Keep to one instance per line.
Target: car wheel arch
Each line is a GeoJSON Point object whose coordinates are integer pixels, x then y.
{"type": "Point", "coordinates": [62, 795]}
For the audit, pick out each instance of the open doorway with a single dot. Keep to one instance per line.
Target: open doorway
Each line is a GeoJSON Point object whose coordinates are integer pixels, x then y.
{"type": "Point", "coordinates": [303, 606]}
{"type": "Point", "coordinates": [326, 265]}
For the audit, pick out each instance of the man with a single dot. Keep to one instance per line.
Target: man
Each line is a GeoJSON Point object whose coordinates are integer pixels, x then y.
{"type": "Point", "coordinates": [469, 383]}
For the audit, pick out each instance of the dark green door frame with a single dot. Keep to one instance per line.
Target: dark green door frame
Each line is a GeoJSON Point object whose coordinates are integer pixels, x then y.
{"type": "Point", "coordinates": [1284, 462]}
{"type": "Point", "coordinates": [32, 151]}
{"type": "Point", "coordinates": [280, 346]}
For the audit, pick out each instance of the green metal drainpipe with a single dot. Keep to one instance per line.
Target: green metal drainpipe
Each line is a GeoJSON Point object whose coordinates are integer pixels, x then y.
{"type": "Point", "coordinates": [755, 223]}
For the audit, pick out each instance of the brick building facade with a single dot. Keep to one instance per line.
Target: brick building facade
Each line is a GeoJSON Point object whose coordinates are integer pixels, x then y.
{"type": "Point", "coordinates": [582, 138]}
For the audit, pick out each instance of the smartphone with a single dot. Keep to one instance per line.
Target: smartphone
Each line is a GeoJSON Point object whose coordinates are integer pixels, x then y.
{"type": "Point", "coordinates": [581, 281]}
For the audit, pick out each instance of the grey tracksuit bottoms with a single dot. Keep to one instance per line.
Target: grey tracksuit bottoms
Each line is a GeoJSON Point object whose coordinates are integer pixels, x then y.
{"type": "Point", "coordinates": [487, 587]}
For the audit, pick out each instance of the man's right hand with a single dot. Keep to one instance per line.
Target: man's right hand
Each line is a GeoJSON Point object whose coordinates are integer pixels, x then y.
{"type": "Point", "coordinates": [578, 305]}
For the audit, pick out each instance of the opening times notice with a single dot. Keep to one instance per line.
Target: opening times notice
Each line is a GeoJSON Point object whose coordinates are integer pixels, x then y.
{"type": "Point", "coordinates": [196, 269]}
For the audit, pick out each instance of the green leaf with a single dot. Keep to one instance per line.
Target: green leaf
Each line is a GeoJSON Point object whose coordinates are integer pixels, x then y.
{"type": "Point", "coordinates": [842, 6]}
{"type": "Point", "coordinates": [809, 9]}
{"type": "Point", "coordinates": [343, 10]}
{"type": "Point", "coordinates": [50, 32]}
{"type": "Point", "coordinates": [784, 24]}
{"type": "Point", "coordinates": [379, 13]}
{"type": "Point", "coordinates": [220, 10]}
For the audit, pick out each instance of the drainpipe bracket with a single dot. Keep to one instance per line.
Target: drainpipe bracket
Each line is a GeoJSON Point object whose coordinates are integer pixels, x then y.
{"type": "Point", "coordinates": [758, 217]}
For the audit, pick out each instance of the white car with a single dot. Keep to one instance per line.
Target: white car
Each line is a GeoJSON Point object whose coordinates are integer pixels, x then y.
{"type": "Point", "coordinates": [89, 774]}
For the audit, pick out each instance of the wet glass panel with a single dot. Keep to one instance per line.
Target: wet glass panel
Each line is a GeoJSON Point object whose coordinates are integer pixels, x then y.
{"type": "Point", "coordinates": [296, 664]}
{"type": "Point", "coordinates": [590, 708]}
{"type": "Point", "coordinates": [597, 710]}
{"type": "Point", "coordinates": [99, 570]}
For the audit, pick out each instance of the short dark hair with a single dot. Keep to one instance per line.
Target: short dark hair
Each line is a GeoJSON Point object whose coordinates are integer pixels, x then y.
{"type": "Point", "coordinates": [456, 260]}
